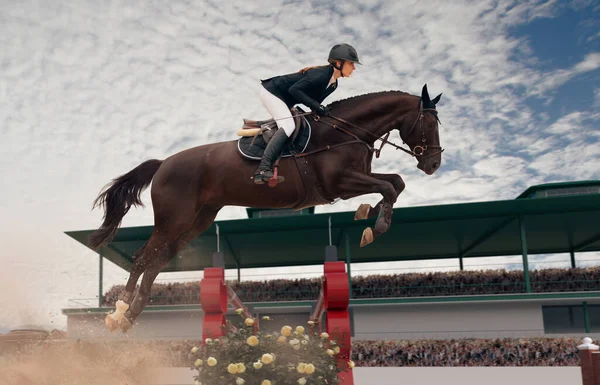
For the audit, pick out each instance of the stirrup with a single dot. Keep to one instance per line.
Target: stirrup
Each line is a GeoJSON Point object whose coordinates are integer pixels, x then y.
{"type": "Point", "coordinates": [261, 178]}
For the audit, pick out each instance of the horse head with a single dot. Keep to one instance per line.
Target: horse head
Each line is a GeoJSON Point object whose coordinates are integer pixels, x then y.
{"type": "Point", "coordinates": [423, 136]}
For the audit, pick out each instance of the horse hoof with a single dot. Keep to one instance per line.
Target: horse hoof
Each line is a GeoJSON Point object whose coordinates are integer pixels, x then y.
{"type": "Point", "coordinates": [125, 325]}
{"type": "Point", "coordinates": [362, 212]}
{"type": "Point", "coordinates": [367, 237]}
{"type": "Point", "coordinates": [111, 323]}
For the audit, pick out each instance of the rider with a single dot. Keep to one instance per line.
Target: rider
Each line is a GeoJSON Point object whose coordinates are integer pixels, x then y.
{"type": "Point", "coordinates": [309, 86]}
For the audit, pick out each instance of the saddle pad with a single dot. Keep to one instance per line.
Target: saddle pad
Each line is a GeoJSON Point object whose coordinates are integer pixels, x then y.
{"type": "Point", "coordinates": [255, 150]}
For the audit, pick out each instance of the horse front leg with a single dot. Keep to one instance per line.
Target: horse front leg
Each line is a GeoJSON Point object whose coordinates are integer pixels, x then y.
{"type": "Point", "coordinates": [359, 184]}
{"type": "Point", "coordinates": [365, 211]}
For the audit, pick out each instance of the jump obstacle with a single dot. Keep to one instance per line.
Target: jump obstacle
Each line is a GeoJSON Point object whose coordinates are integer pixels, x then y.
{"type": "Point", "coordinates": [333, 300]}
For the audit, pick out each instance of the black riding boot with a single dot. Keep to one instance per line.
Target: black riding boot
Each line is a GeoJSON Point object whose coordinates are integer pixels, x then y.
{"type": "Point", "coordinates": [272, 152]}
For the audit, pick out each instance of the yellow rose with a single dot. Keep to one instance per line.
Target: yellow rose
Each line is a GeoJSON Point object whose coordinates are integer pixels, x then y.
{"type": "Point", "coordinates": [330, 352]}
{"type": "Point", "coordinates": [266, 358]}
{"type": "Point", "coordinates": [324, 335]}
{"type": "Point", "coordinates": [300, 368]}
{"type": "Point", "coordinates": [240, 381]}
{"type": "Point", "coordinates": [241, 368]}
{"type": "Point", "coordinates": [351, 364]}
{"type": "Point", "coordinates": [211, 361]}
{"type": "Point", "coordinates": [194, 350]}
{"type": "Point", "coordinates": [286, 331]}
{"type": "Point", "coordinates": [249, 321]}
{"type": "Point", "coordinates": [266, 318]}
{"type": "Point", "coordinates": [232, 368]}
{"type": "Point", "coordinates": [198, 362]}
{"type": "Point", "coordinates": [239, 311]}
{"type": "Point", "coordinates": [311, 323]}
{"type": "Point", "coordinates": [309, 369]}
{"type": "Point", "coordinates": [302, 381]}
{"type": "Point", "coordinates": [300, 329]}
{"type": "Point", "coordinates": [265, 382]}
{"type": "Point", "coordinates": [252, 341]}
{"type": "Point", "coordinates": [281, 339]}
{"type": "Point", "coordinates": [257, 365]}
{"type": "Point", "coordinates": [336, 350]}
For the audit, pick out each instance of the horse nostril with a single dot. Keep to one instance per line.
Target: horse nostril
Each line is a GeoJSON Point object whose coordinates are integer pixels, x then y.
{"type": "Point", "coordinates": [435, 165]}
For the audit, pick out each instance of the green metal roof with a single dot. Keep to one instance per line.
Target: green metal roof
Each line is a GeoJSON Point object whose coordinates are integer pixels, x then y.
{"type": "Point", "coordinates": [557, 224]}
{"type": "Point", "coordinates": [562, 188]}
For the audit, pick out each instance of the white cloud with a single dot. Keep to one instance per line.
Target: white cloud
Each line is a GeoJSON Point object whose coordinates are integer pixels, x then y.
{"type": "Point", "coordinates": [91, 89]}
{"type": "Point", "coordinates": [557, 78]}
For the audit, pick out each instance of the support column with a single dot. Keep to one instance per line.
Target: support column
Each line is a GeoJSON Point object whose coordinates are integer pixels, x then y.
{"type": "Point", "coordinates": [524, 252]}
{"type": "Point", "coordinates": [460, 262]}
{"type": "Point", "coordinates": [347, 249]}
{"type": "Point", "coordinates": [572, 259]}
{"type": "Point", "coordinates": [586, 317]}
{"type": "Point", "coordinates": [100, 279]}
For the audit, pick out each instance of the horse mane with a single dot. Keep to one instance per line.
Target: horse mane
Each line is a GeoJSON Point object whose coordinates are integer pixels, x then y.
{"type": "Point", "coordinates": [362, 96]}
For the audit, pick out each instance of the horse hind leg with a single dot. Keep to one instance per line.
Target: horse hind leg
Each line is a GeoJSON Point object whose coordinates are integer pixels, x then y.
{"type": "Point", "coordinates": [113, 320]}
{"type": "Point", "coordinates": [170, 248]}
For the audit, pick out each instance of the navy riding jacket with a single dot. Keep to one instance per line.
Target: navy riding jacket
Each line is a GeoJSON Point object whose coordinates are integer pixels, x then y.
{"type": "Point", "coordinates": [309, 88]}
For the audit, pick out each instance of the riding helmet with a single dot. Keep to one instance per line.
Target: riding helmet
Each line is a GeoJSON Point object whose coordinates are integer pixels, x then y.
{"type": "Point", "coordinates": [343, 52]}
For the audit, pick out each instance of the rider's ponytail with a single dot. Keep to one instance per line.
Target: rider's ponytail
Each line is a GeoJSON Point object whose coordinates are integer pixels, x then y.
{"type": "Point", "coordinates": [303, 70]}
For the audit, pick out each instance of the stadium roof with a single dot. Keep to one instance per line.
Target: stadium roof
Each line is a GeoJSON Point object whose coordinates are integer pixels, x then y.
{"type": "Point", "coordinates": [558, 218]}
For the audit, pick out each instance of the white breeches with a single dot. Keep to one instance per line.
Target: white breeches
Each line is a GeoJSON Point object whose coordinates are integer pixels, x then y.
{"type": "Point", "coordinates": [278, 110]}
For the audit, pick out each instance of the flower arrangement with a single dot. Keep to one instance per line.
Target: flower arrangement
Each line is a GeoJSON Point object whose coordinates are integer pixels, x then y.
{"type": "Point", "coordinates": [290, 357]}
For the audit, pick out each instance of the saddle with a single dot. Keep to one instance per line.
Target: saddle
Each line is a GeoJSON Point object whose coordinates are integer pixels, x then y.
{"type": "Point", "coordinates": [256, 134]}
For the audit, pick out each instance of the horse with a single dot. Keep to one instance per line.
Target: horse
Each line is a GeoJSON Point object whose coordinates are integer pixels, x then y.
{"type": "Point", "coordinates": [190, 187]}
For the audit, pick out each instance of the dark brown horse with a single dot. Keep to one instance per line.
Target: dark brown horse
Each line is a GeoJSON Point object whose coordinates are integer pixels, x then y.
{"type": "Point", "coordinates": [190, 187]}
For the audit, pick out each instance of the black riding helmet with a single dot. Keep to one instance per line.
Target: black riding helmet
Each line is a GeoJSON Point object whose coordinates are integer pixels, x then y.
{"type": "Point", "coordinates": [343, 52]}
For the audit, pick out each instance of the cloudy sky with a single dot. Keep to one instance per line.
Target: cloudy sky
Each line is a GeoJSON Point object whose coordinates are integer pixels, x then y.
{"type": "Point", "coordinates": [89, 89]}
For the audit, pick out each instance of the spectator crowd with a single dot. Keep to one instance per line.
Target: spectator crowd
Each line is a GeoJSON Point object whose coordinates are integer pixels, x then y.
{"type": "Point", "coordinates": [385, 286]}
{"type": "Point", "coordinates": [413, 353]}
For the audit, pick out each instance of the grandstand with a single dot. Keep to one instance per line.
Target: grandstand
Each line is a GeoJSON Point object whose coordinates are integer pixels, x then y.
{"type": "Point", "coordinates": [545, 219]}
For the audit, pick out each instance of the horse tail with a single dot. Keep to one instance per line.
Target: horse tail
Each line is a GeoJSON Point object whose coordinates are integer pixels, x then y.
{"type": "Point", "coordinates": [117, 197]}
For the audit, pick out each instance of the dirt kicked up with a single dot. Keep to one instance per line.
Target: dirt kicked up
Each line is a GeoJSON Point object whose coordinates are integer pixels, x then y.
{"type": "Point", "coordinates": [74, 363]}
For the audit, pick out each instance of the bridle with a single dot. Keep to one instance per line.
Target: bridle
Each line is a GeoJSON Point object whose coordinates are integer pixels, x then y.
{"type": "Point", "coordinates": [417, 151]}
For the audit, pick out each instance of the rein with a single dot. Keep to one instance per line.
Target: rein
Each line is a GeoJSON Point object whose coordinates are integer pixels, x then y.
{"type": "Point", "coordinates": [417, 151]}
